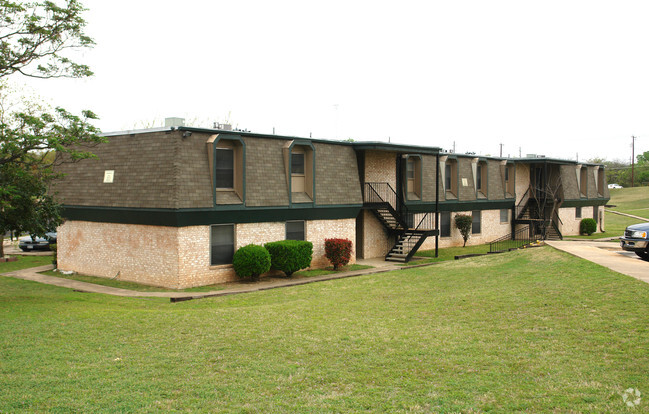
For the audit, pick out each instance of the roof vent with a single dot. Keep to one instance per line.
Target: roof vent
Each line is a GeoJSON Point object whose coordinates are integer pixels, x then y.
{"type": "Point", "coordinates": [174, 122]}
{"type": "Point", "coordinates": [223, 127]}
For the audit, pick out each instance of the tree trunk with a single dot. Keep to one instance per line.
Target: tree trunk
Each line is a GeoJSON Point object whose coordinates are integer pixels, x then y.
{"type": "Point", "coordinates": [2, 249]}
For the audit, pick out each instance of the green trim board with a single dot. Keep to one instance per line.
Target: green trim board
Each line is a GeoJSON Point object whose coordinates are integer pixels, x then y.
{"type": "Point", "coordinates": [585, 202]}
{"type": "Point", "coordinates": [199, 217]}
{"type": "Point", "coordinates": [462, 205]}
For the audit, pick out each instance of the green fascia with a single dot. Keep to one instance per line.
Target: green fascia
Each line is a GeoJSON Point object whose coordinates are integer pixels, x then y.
{"type": "Point", "coordinates": [600, 201]}
{"type": "Point", "coordinates": [462, 205]}
{"type": "Point", "coordinates": [197, 217]}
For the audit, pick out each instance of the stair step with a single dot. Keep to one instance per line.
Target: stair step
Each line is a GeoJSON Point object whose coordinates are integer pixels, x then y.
{"type": "Point", "coordinates": [395, 259]}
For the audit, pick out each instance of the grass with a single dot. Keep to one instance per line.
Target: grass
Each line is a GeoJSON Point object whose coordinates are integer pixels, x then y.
{"type": "Point", "coordinates": [123, 284]}
{"type": "Point", "coordinates": [631, 200]}
{"type": "Point", "coordinates": [25, 262]}
{"type": "Point", "coordinates": [528, 331]}
{"type": "Point", "coordinates": [330, 270]}
{"type": "Point", "coordinates": [447, 253]}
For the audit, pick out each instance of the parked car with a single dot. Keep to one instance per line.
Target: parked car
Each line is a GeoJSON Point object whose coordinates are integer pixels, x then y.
{"type": "Point", "coordinates": [28, 244]}
{"type": "Point", "coordinates": [615, 186]}
{"type": "Point", "coordinates": [636, 239]}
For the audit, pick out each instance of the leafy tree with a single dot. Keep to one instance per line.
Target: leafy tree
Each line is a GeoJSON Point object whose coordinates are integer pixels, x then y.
{"type": "Point", "coordinates": [34, 39]}
{"type": "Point", "coordinates": [463, 223]}
{"type": "Point", "coordinates": [643, 159]}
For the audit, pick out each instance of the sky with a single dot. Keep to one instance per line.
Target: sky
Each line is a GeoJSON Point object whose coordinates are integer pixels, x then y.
{"type": "Point", "coordinates": [565, 79]}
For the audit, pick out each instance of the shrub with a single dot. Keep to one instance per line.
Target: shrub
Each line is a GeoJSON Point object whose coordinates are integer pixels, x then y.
{"type": "Point", "coordinates": [289, 256]}
{"type": "Point", "coordinates": [463, 223]}
{"type": "Point", "coordinates": [587, 226]}
{"type": "Point", "coordinates": [53, 249]}
{"type": "Point", "coordinates": [338, 251]}
{"type": "Point", "coordinates": [251, 261]}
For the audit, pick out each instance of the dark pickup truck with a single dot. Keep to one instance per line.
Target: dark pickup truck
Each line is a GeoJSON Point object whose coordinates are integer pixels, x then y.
{"type": "Point", "coordinates": [636, 239]}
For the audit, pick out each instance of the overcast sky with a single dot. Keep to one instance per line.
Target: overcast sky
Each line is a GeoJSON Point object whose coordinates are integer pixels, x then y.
{"type": "Point", "coordinates": [552, 77]}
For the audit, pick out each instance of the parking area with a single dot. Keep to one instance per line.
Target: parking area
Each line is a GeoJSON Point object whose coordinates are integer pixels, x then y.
{"type": "Point", "coordinates": [606, 253]}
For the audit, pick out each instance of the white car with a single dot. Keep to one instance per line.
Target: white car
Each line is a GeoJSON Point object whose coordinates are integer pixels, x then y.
{"type": "Point", "coordinates": [615, 186]}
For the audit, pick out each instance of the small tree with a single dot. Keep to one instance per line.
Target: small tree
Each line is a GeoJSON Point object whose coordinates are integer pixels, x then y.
{"type": "Point", "coordinates": [251, 261]}
{"type": "Point", "coordinates": [338, 251]}
{"type": "Point", "coordinates": [587, 226]}
{"type": "Point", "coordinates": [463, 223]}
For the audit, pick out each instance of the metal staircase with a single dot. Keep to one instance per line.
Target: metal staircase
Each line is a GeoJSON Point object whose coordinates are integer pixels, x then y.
{"type": "Point", "coordinates": [390, 210]}
{"type": "Point", "coordinates": [540, 215]}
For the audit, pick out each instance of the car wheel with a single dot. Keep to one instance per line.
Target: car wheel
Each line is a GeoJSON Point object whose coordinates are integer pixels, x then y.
{"type": "Point", "coordinates": [644, 255]}
{"type": "Point", "coordinates": [24, 249]}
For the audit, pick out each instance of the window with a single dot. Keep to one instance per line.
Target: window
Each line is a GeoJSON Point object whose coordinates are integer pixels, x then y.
{"type": "Point", "coordinates": [295, 230]}
{"type": "Point", "coordinates": [504, 215]}
{"type": "Point", "coordinates": [509, 181]}
{"type": "Point", "coordinates": [450, 178]}
{"type": "Point", "coordinates": [413, 178]}
{"type": "Point", "coordinates": [224, 177]}
{"type": "Point", "coordinates": [297, 164]}
{"type": "Point", "coordinates": [475, 225]}
{"type": "Point", "coordinates": [578, 212]}
{"type": "Point", "coordinates": [222, 244]}
{"type": "Point", "coordinates": [299, 161]}
{"type": "Point", "coordinates": [445, 225]}
{"type": "Point", "coordinates": [447, 176]}
{"type": "Point", "coordinates": [481, 179]}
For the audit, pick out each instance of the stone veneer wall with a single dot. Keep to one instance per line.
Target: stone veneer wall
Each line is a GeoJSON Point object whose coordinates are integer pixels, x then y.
{"type": "Point", "coordinates": [522, 183]}
{"type": "Point", "coordinates": [381, 167]}
{"type": "Point", "coordinates": [376, 242]}
{"type": "Point", "coordinates": [491, 229]}
{"type": "Point", "coordinates": [174, 257]}
{"type": "Point", "coordinates": [570, 225]}
{"type": "Point", "coordinates": [146, 254]}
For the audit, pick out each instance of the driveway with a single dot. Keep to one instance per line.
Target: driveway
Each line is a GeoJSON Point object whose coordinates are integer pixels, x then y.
{"type": "Point", "coordinates": [608, 254]}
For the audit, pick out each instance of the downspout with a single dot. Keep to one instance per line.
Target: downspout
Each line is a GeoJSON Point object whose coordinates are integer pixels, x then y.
{"type": "Point", "coordinates": [437, 204]}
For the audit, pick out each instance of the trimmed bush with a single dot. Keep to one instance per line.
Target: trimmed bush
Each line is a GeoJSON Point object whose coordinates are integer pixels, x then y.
{"type": "Point", "coordinates": [587, 226]}
{"type": "Point", "coordinates": [251, 261]}
{"type": "Point", "coordinates": [338, 251]}
{"type": "Point", "coordinates": [289, 256]}
{"type": "Point", "coordinates": [463, 223]}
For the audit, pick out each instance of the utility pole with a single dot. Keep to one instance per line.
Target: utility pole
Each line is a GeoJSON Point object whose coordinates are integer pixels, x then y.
{"type": "Point", "coordinates": [501, 150]}
{"type": "Point", "coordinates": [632, 159]}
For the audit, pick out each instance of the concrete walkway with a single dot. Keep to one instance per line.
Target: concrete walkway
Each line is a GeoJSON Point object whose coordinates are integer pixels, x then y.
{"type": "Point", "coordinates": [34, 275]}
{"type": "Point", "coordinates": [607, 254]}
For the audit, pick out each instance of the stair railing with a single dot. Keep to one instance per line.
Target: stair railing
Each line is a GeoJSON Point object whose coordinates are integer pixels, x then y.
{"type": "Point", "coordinates": [520, 238]}
{"type": "Point", "coordinates": [522, 205]}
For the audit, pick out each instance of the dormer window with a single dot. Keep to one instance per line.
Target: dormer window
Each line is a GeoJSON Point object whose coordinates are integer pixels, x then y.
{"type": "Point", "coordinates": [413, 177]}
{"type": "Point", "coordinates": [299, 161]}
{"type": "Point", "coordinates": [224, 168]}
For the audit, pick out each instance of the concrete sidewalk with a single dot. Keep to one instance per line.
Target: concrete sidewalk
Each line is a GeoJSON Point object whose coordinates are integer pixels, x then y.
{"type": "Point", "coordinates": [34, 275]}
{"type": "Point", "coordinates": [606, 254]}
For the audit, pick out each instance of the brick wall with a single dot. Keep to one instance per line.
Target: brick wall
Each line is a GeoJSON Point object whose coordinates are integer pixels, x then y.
{"type": "Point", "coordinates": [376, 242]}
{"type": "Point", "coordinates": [381, 166]}
{"type": "Point", "coordinates": [146, 254]}
{"type": "Point", "coordinates": [174, 257]}
{"type": "Point", "coordinates": [522, 181]}
{"type": "Point", "coordinates": [570, 223]}
{"type": "Point", "coordinates": [492, 229]}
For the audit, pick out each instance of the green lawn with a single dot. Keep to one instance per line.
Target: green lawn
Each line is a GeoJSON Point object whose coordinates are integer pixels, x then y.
{"type": "Point", "coordinates": [448, 253]}
{"type": "Point", "coordinates": [25, 262]}
{"type": "Point", "coordinates": [533, 330]}
{"type": "Point", "coordinates": [631, 201]}
{"type": "Point", "coordinates": [329, 270]}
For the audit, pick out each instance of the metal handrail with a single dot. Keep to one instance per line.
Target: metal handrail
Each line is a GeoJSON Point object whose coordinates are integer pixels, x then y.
{"type": "Point", "coordinates": [519, 239]}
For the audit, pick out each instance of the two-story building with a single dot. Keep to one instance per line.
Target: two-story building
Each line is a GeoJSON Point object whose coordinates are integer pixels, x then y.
{"type": "Point", "coordinates": [169, 206]}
